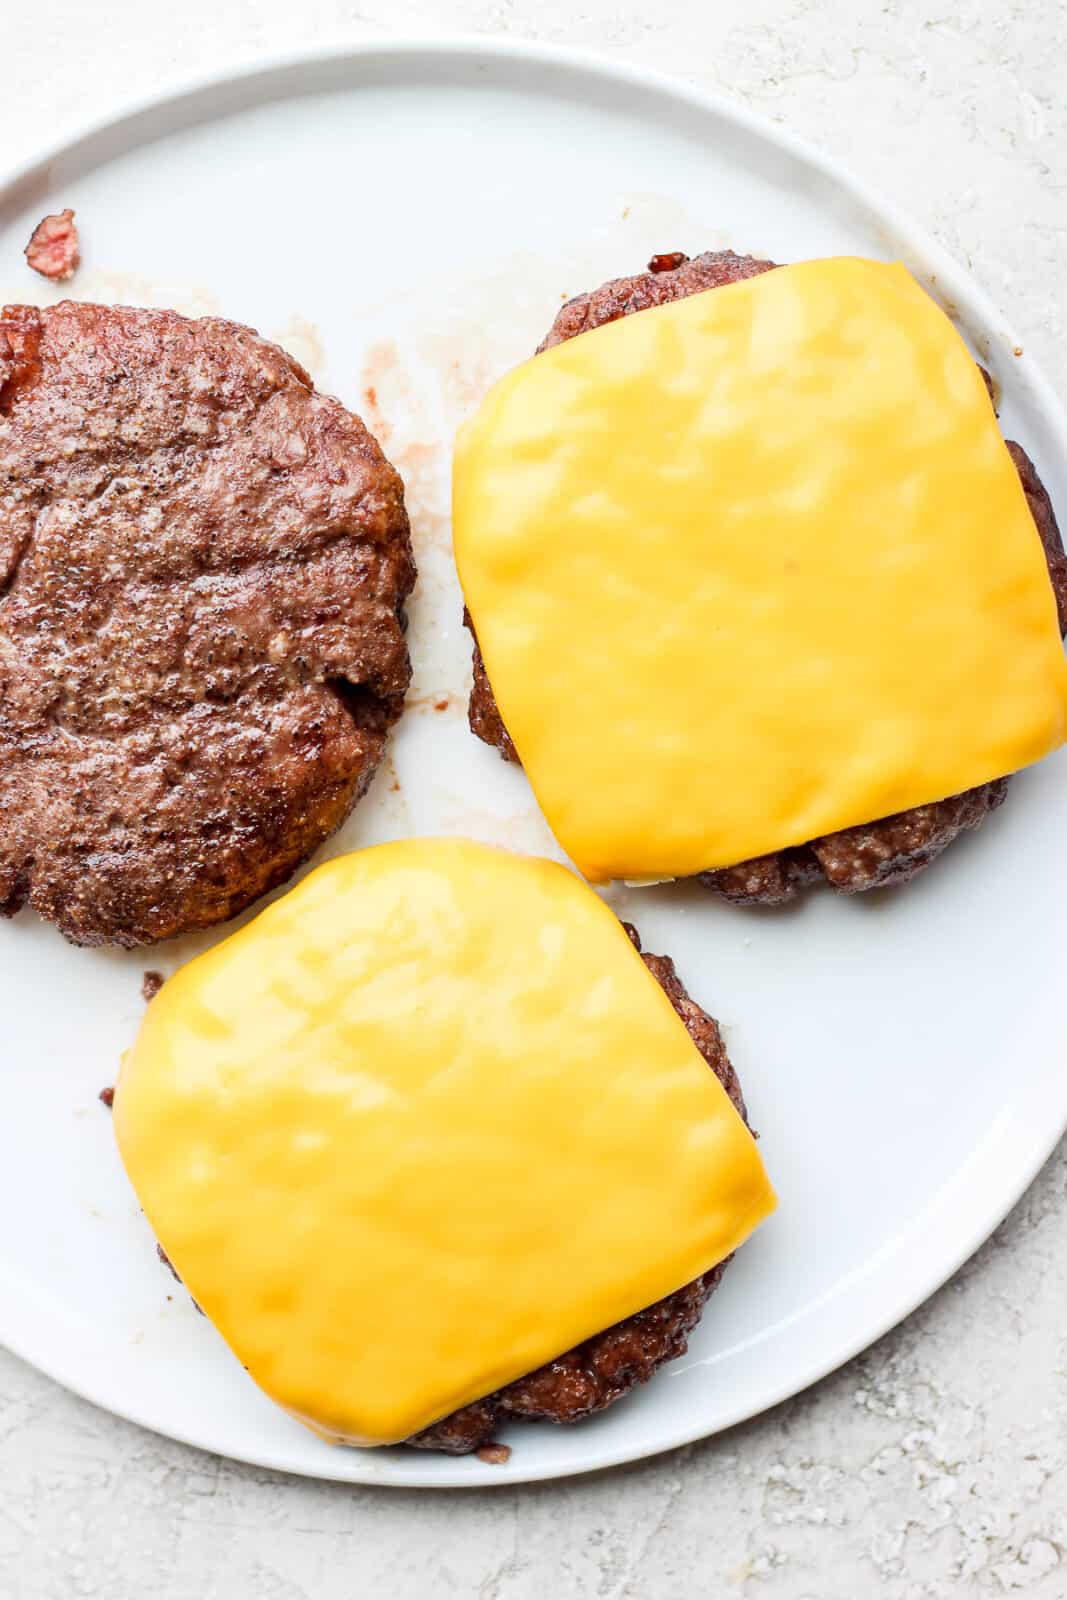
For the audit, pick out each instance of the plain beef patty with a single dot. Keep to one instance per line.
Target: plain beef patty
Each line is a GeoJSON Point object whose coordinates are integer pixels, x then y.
{"type": "Point", "coordinates": [875, 854]}
{"type": "Point", "coordinates": [203, 566]}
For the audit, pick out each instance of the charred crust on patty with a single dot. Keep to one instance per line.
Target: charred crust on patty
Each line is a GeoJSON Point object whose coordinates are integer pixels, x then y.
{"type": "Point", "coordinates": [1037, 498]}
{"type": "Point", "coordinates": [20, 368]}
{"type": "Point", "coordinates": [203, 571]}
{"type": "Point", "coordinates": [875, 855]}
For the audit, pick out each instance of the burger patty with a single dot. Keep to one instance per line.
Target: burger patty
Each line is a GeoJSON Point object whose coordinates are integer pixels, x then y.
{"type": "Point", "coordinates": [203, 569]}
{"type": "Point", "coordinates": [602, 1369]}
{"type": "Point", "coordinates": [875, 854]}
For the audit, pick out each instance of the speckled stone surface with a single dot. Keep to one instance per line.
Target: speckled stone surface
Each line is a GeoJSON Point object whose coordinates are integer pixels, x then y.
{"type": "Point", "coordinates": [936, 1464]}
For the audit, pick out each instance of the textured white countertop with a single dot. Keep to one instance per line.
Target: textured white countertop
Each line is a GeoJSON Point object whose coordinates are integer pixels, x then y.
{"type": "Point", "coordinates": [934, 1465]}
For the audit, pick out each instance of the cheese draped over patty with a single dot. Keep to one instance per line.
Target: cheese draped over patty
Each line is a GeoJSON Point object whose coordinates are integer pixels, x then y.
{"type": "Point", "coordinates": [423, 1125]}
{"type": "Point", "coordinates": [752, 567]}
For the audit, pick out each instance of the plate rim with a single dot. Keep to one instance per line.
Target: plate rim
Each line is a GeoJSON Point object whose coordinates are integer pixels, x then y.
{"type": "Point", "coordinates": [1031, 1126]}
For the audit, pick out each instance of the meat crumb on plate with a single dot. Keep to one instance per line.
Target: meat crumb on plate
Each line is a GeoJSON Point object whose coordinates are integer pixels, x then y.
{"type": "Point", "coordinates": [54, 249]}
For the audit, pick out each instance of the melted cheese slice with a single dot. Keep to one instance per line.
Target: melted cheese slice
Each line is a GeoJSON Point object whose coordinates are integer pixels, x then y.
{"type": "Point", "coordinates": [752, 567]}
{"type": "Point", "coordinates": [424, 1124]}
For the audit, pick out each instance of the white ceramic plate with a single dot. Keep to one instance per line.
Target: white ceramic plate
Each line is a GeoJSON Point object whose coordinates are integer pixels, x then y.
{"type": "Point", "coordinates": [407, 219]}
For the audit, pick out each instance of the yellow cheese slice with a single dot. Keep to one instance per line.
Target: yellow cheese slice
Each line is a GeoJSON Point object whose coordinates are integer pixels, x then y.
{"type": "Point", "coordinates": [752, 567]}
{"type": "Point", "coordinates": [424, 1124]}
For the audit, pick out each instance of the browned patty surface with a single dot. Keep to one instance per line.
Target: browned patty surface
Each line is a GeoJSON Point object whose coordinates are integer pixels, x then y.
{"type": "Point", "coordinates": [203, 566]}
{"type": "Point", "coordinates": [876, 854]}
{"type": "Point", "coordinates": [600, 1371]}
